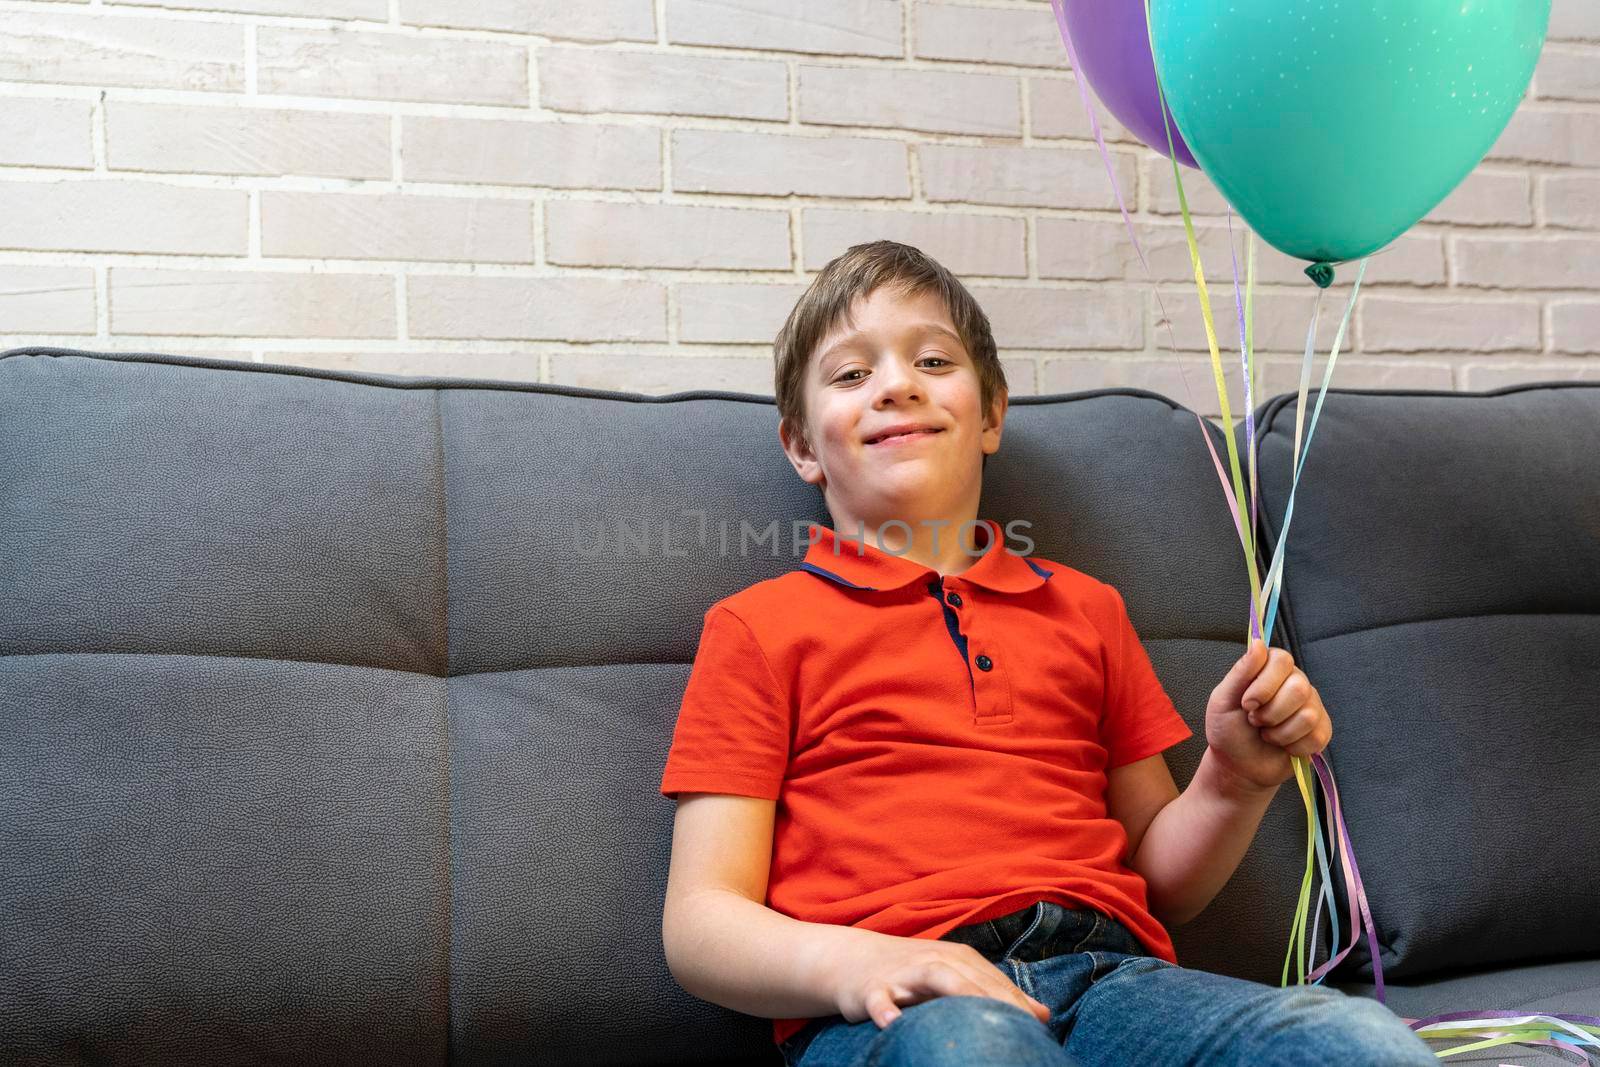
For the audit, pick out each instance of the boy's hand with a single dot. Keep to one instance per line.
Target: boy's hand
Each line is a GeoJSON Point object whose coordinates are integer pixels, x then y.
{"type": "Point", "coordinates": [1264, 712]}
{"type": "Point", "coordinates": [881, 973]}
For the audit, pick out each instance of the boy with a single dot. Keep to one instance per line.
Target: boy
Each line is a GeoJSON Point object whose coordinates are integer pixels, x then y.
{"type": "Point", "coordinates": [923, 815]}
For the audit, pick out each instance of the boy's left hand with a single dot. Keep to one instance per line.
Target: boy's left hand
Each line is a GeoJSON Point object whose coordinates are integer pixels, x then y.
{"type": "Point", "coordinates": [1262, 713]}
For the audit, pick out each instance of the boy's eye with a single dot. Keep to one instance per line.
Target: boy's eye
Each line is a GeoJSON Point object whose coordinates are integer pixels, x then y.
{"type": "Point", "coordinates": [937, 359]}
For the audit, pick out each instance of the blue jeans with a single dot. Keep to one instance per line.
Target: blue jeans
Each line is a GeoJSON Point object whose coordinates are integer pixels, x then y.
{"type": "Point", "coordinates": [1110, 1003]}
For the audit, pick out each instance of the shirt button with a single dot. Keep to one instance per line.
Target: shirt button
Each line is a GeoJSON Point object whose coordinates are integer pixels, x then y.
{"type": "Point", "coordinates": [955, 599]}
{"type": "Point", "coordinates": [984, 663]}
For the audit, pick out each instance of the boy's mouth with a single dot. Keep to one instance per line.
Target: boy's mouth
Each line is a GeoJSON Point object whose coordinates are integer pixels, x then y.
{"type": "Point", "coordinates": [903, 434]}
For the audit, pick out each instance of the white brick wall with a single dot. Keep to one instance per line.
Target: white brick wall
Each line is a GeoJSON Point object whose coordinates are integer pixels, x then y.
{"type": "Point", "coordinates": [630, 194]}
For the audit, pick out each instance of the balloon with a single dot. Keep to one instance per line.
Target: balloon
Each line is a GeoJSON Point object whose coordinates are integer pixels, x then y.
{"type": "Point", "coordinates": [1332, 126]}
{"type": "Point", "coordinates": [1113, 45]}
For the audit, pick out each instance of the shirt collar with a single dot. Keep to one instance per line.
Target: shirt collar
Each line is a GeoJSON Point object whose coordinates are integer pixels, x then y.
{"type": "Point", "coordinates": [860, 564]}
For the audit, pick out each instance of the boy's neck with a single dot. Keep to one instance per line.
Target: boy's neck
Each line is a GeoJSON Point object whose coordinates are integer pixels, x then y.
{"type": "Point", "coordinates": [939, 542]}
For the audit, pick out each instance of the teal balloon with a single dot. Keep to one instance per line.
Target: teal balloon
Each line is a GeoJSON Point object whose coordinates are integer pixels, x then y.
{"type": "Point", "coordinates": [1332, 126]}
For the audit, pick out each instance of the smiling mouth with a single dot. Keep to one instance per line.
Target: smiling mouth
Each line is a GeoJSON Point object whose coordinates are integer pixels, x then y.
{"type": "Point", "coordinates": [903, 436]}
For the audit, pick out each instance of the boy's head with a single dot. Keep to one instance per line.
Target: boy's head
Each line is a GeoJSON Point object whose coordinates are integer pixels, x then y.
{"type": "Point", "coordinates": [886, 336]}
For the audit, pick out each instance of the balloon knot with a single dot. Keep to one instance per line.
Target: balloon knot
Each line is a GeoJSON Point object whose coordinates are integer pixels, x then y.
{"type": "Point", "coordinates": [1321, 273]}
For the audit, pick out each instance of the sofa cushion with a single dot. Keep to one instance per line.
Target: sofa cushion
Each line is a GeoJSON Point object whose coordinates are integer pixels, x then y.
{"type": "Point", "coordinates": [225, 819]}
{"type": "Point", "coordinates": [1442, 591]}
{"type": "Point", "coordinates": [1566, 986]}
{"type": "Point", "coordinates": [1571, 987]}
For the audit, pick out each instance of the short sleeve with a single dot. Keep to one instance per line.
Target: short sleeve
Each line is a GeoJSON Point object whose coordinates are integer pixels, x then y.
{"type": "Point", "coordinates": [1139, 719]}
{"type": "Point", "coordinates": [732, 734]}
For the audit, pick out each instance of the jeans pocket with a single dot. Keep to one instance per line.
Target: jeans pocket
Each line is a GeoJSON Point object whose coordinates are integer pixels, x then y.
{"type": "Point", "coordinates": [1095, 936]}
{"type": "Point", "coordinates": [1110, 936]}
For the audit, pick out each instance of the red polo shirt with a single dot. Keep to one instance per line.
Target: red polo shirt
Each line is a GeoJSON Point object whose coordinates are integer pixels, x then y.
{"type": "Point", "coordinates": [937, 745]}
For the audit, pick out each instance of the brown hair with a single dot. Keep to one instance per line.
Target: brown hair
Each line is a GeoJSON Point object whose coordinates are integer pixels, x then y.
{"type": "Point", "coordinates": [857, 272]}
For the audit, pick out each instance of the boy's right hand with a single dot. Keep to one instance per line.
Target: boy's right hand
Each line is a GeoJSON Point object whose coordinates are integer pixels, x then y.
{"type": "Point", "coordinates": [878, 975]}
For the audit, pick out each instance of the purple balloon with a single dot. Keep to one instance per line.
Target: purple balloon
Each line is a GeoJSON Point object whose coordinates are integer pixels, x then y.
{"type": "Point", "coordinates": [1113, 45]}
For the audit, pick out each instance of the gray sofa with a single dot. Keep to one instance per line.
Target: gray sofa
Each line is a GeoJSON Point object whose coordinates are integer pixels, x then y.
{"type": "Point", "coordinates": [335, 704]}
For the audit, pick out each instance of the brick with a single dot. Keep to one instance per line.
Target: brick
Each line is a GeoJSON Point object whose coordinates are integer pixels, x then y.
{"type": "Point", "coordinates": [1280, 323]}
{"type": "Point", "coordinates": [1487, 198]}
{"type": "Point", "coordinates": [1574, 20]}
{"type": "Point", "coordinates": [1569, 73]}
{"type": "Point", "coordinates": [593, 20]}
{"type": "Point", "coordinates": [1084, 250]}
{"type": "Point", "coordinates": [245, 140]}
{"type": "Point", "coordinates": [1055, 109]}
{"type": "Point", "coordinates": [659, 375]}
{"type": "Point", "coordinates": [1566, 138]}
{"type": "Point", "coordinates": [763, 164]}
{"type": "Point", "coordinates": [734, 313]}
{"type": "Point", "coordinates": [1063, 318]}
{"type": "Point", "coordinates": [488, 366]}
{"type": "Point", "coordinates": [558, 155]}
{"type": "Point", "coordinates": [1085, 372]}
{"type": "Point", "coordinates": [1017, 36]}
{"type": "Point", "coordinates": [396, 226]}
{"type": "Point", "coordinates": [1571, 201]}
{"type": "Point", "coordinates": [251, 303]}
{"type": "Point", "coordinates": [90, 49]}
{"type": "Point", "coordinates": [1575, 327]}
{"type": "Point", "coordinates": [1098, 251]}
{"type": "Point", "coordinates": [1029, 177]}
{"type": "Point", "coordinates": [1391, 325]}
{"type": "Point", "coordinates": [1483, 377]}
{"type": "Point", "coordinates": [600, 80]}
{"type": "Point", "coordinates": [1515, 263]}
{"type": "Point", "coordinates": [933, 101]}
{"type": "Point", "coordinates": [1022, 375]}
{"type": "Point", "coordinates": [1410, 259]}
{"type": "Point", "coordinates": [965, 244]}
{"type": "Point", "coordinates": [588, 233]}
{"type": "Point", "coordinates": [41, 299]}
{"type": "Point", "coordinates": [375, 65]}
{"type": "Point", "coordinates": [819, 27]}
{"type": "Point", "coordinates": [123, 216]}
{"type": "Point", "coordinates": [46, 133]}
{"type": "Point", "coordinates": [1284, 377]}
{"type": "Point", "coordinates": [1161, 191]}
{"type": "Point", "coordinates": [368, 10]}
{"type": "Point", "coordinates": [536, 309]}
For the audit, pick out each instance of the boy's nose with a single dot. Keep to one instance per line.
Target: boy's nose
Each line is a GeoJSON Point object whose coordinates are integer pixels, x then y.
{"type": "Point", "coordinates": [898, 383]}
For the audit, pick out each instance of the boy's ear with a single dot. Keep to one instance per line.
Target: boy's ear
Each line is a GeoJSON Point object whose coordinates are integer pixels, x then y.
{"type": "Point", "coordinates": [994, 422]}
{"type": "Point", "coordinates": [997, 410]}
{"type": "Point", "coordinates": [798, 449]}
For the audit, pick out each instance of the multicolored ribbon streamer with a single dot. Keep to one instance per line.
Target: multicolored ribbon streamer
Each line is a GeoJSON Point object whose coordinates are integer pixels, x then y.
{"type": "Point", "coordinates": [1559, 1031]}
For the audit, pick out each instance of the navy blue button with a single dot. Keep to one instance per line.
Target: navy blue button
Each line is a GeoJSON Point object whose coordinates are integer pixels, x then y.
{"type": "Point", "coordinates": [955, 599]}
{"type": "Point", "coordinates": [984, 663]}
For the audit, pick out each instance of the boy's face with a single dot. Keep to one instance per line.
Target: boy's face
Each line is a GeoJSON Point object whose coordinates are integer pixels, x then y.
{"type": "Point", "coordinates": [901, 362]}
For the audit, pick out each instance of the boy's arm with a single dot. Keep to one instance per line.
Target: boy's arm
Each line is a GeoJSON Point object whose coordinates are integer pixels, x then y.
{"type": "Point", "coordinates": [1186, 846]}
{"type": "Point", "coordinates": [722, 943]}
{"type": "Point", "coordinates": [1263, 713]}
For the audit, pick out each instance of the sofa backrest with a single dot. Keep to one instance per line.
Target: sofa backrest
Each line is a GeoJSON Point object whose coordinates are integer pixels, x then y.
{"type": "Point", "coordinates": [331, 729]}
{"type": "Point", "coordinates": [1442, 590]}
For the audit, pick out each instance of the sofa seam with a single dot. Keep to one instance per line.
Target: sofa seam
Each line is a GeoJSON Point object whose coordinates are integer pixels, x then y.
{"type": "Point", "coordinates": [449, 756]}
